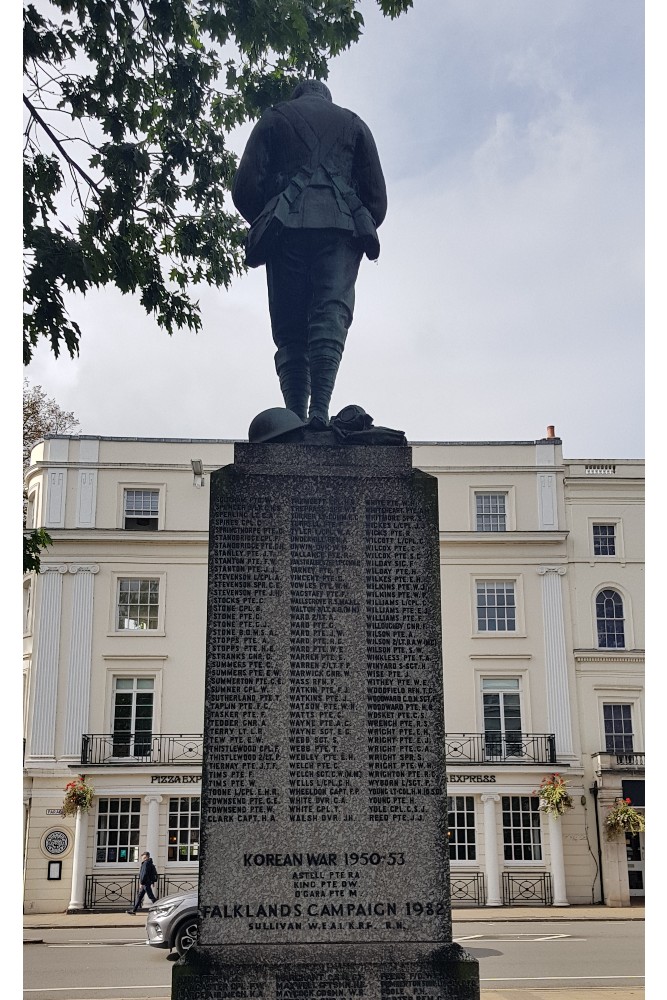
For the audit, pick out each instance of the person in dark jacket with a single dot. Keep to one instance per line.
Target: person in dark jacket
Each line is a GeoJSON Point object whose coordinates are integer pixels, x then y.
{"type": "Point", "coordinates": [311, 185]}
{"type": "Point", "coordinates": [147, 878]}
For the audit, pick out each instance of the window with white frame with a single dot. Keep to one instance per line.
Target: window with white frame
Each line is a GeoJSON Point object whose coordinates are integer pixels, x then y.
{"type": "Point", "coordinates": [618, 734]}
{"type": "Point", "coordinates": [138, 603]}
{"type": "Point", "coordinates": [501, 705]}
{"type": "Point", "coordinates": [118, 830]}
{"type": "Point", "coordinates": [133, 716]}
{"type": "Point", "coordinates": [496, 606]}
{"type": "Point", "coordinates": [141, 509]}
{"type": "Point", "coordinates": [490, 511]}
{"type": "Point", "coordinates": [610, 620]}
{"type": "Point", "coordinates": [604, 539]}
{"type": "Point", "coordinates": [522, 833]}
{"type": "Point", "coordinates": [183, 834]}
{"type": "Point", "coordinates": [461, 827]}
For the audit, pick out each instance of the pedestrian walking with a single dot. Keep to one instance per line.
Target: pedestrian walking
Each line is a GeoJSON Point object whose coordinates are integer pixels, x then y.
{"type": "Point", "coordinates": [147, 878]}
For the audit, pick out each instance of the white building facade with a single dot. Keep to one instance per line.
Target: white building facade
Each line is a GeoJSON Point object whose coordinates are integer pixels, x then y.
{"type": "Point", "coordinates": [542, 605]}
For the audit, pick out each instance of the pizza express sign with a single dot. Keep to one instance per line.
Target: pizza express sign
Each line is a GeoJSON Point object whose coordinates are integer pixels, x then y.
{"type": "Point", "coordinates": [486, 779]}
{"type": "Point", "coordinates": [175, 779]}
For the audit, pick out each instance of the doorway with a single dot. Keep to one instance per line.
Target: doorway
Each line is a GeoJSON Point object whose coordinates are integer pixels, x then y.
{"type": "Point", "coordinates": [634, 846]}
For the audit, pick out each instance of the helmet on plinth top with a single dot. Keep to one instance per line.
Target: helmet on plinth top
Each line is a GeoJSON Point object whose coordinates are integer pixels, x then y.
{"type": "Point", "coordinates": [275, 424]}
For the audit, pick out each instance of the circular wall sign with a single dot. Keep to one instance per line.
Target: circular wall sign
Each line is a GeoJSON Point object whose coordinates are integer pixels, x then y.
{"type": "Point", "coordinates": [55, 843]}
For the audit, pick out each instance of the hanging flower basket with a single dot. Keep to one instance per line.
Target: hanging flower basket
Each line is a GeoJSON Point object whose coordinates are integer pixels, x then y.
{"type": "Point", "coordinates": [623, 818]}
{"type": "Point", "coordinates": [78, 795]}
{"type": "Point", "coordinates": [554, 795]}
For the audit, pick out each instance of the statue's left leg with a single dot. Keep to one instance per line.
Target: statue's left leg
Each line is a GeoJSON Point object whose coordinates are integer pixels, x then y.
{"type": "Point", "coordinates": [334, 270]}
{"type": "Point", "coordinates": [288, 305]}
{"type": "Point", "coordinates": [325, 358]}
{"type": "Point", "coordinates": [293, 370]}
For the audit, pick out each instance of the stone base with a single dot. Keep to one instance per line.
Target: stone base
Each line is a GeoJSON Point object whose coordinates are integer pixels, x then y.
{"type": "Point", "coordinates": [445, 972]}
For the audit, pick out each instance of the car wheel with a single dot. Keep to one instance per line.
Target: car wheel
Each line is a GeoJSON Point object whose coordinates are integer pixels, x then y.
{"type": "Point", "coordinates": [186, 935]}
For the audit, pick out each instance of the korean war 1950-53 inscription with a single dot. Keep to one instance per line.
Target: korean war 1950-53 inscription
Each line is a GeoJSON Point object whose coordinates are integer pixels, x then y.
{"type": "Point", "coordinates": [324, 867]}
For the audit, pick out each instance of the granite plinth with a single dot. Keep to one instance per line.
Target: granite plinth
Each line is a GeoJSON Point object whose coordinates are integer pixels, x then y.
{"type": "Point", "coordinates": [447, 973]}
{"type": "Point", "coordinates": [324, 868]}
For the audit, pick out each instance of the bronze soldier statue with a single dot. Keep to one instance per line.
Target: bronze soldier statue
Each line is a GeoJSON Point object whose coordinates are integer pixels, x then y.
{"type": "Point", "coordinates": [311, 185]}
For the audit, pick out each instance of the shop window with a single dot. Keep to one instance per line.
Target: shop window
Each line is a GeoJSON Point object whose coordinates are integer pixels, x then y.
{"type": "Point", "coordinates": [118, 830]}
{"type": "Point", "coordinates": [491, 511]}
{"type": "Point", "coordinates": [522, 834]}
{"type": "Point", "coordinates": [133, 716]}
{"type": "Point", "coordinates": [138, 605]}
{"type": "Point", "coordinates": [501, 704]}
{"type": "Point", "coordinates": [635, 791]}
{"type": "Point", "coordinates": [604, 539]}
{"type": "Point", "coordinates": [461, 827]}
{"type": "Point", "coordinates": [610, 620]}
{"type": "Point", "coordinates": [618, 735]}
{"type": "Point", "coordinates": [183, 829]}
{"type": "Point", "coordinates": [141, 510]}
{"type": "Point", "coordinates": [496, 606]}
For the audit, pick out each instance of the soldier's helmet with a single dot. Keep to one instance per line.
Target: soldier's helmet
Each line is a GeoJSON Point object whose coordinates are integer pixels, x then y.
{"type": "Point", "coordinates": [275, 424]}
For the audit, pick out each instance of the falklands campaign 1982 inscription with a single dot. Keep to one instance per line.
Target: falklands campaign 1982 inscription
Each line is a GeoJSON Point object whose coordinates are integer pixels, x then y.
{"type": "Point", "coordinates": [324, 797]}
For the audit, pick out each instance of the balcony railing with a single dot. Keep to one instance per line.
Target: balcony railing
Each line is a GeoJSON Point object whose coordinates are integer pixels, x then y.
{"type": "Point", "coordinates": [126, 749]}
{"type": "Point", "coordinates": [496, 748]}
{"type": "Point", "coordinates": [621, 761]}
{"type": "Point", "coordinates": [123, 749]}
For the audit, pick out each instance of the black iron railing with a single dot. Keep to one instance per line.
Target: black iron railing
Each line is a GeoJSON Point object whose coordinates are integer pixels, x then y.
{"type": "Point", "coordinates": [117, 749]}
{"type": "Point", "coordinates": [496, 748]}
{"type": "Point", "coordinates": [111, 892]}
{"type": "Point", "coordinates": [467, 887]}
{"type": "Point", "coordinates": [187, 748]}
{"type": "Point", "coordinates": [118, 892]}
{"type": "Point", "coordinates": [527, 888]}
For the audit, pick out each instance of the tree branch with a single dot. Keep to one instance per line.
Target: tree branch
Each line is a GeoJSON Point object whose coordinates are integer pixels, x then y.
{"type": "Point", "coordinates": [59, 146]}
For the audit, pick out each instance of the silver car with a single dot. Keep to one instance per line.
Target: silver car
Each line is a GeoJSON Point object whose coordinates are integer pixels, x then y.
{"type": "Point", "coordinates": [172, 922]}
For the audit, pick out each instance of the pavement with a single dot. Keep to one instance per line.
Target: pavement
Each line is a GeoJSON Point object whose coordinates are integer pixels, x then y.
{"type": "Point", "coordinates": [47, 921]}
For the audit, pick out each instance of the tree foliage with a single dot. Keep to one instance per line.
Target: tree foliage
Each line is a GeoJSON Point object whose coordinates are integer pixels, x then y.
{"type": "Point", "coordinates": [128, 107]}
{"type": "Point", "coordinates": [34, 542]}
{"type": "Point", "coordinates": [41, 416]}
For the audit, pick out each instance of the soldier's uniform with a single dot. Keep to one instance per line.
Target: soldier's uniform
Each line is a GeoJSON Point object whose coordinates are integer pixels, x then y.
{"type": "Point", "coordinates": [311, 181]}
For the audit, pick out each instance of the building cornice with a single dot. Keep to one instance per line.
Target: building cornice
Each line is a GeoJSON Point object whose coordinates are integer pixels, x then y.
{"type": "Point", "coordinates": [97, 535]}
{"type": "Point", "coordinates": [503, 467]}
{"type": "Point", "coordinates": [500, 656]}
{"type": "Point", "coordinates": [503, 537]}
{"type": "Point", "coordinates": [613, 656]}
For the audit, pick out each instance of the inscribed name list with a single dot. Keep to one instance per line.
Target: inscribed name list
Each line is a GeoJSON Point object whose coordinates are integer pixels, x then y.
{"type": "Point", "coordinates": [324, 786]}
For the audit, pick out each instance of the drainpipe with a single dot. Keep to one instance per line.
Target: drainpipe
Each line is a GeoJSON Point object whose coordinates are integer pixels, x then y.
{"type": "Point", "coordinates": [594, 792]}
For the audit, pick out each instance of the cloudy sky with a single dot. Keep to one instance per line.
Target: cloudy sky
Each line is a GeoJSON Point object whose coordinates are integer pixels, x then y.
{"type": "Point", "coordinates": [509, 290]}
